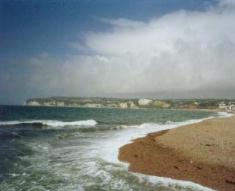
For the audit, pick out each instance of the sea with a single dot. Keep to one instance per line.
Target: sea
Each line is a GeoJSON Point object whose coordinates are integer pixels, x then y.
{"type": "Point", "coordinates": [76, 149]}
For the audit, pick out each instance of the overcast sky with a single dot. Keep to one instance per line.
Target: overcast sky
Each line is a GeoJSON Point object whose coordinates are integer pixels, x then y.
{"type": "Point", "coordinates": [129, 48]}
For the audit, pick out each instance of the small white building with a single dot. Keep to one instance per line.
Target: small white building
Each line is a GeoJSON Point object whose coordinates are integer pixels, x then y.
{"type": "Point", "coordinates": [222, 105]}
{"type": "Point", "coordinates": [144, 102]}
{"type": "Point", "coordinates": [231, 108]}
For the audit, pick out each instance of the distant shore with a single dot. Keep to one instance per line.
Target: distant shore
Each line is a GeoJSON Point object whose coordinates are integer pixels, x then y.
{"type": "Point", "coordinates": [133, 103]}
{"type": "Point", "coordinates": [203, 153]}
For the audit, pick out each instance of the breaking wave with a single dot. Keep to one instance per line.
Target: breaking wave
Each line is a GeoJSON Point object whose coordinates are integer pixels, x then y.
{"type": "Point", "coordinates": [52, 123]}
{"type": "Point", "coordinates": [225, 114]}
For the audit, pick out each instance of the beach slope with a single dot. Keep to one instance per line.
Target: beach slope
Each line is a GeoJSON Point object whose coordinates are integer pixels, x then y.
{"type": "Point", "coordinates": [203, 153]}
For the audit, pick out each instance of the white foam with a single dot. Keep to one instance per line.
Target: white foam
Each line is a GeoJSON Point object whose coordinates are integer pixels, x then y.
{"type": "Point", "coordinates": [109, 149]}
{"type": "Point", "coordinates": [225, 114]}
{"type": "Point", "coordinates": [52, 123]}
{"type": "Point", "coordinates": [172, 183]}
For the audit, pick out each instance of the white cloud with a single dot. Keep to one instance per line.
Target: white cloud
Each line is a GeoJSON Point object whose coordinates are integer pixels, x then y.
{"type": "Point", "coordinates": [179, 52]}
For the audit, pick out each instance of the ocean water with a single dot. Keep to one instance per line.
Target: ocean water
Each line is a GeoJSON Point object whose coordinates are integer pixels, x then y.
{"type": "Point", "coordinates": [76, 149]}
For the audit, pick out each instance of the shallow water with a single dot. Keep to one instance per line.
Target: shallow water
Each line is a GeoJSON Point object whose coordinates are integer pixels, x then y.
{"type": "Point", "coordinates": [64, 149]}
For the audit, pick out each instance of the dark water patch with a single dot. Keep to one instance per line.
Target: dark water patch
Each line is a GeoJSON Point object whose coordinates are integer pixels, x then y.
{"type": "Point", "coordinates": [11, 153]}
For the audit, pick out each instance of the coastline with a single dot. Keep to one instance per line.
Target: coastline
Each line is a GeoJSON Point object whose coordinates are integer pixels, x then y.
{"type": "Point", "coordinates": [203, 153]}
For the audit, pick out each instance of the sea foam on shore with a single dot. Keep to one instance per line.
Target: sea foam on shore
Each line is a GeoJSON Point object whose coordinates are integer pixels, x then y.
{"type": "Point", "coordinates": [109, 149]}
{"type": "Point", "coordinates": [150, 129]}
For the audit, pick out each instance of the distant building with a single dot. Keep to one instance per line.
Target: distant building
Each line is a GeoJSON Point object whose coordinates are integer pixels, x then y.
{"type": "Point", "coordinates": [144, 102]}
{"type": "Point", "coordinates": [196, 103]}
{"type": "Point", "coordinates": [222, 105]}
{"type": "Point", "coordinates": [231, 108]}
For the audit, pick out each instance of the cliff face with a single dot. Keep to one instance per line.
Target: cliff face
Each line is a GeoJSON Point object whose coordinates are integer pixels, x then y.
{"type": "Point", "coordinates": [84, 102]}
{"type": "Point", "coordinates": [97, 102]}
{"type": "Point", "coordinates": [94, 102]}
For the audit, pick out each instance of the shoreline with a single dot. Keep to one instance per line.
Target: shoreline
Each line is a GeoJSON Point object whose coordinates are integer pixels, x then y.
{"type": "Point", "coordinates": [203, 153]}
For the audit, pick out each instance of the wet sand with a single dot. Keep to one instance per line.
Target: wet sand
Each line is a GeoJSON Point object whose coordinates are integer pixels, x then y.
{"type": "Point", "coordinates": [203, 153]}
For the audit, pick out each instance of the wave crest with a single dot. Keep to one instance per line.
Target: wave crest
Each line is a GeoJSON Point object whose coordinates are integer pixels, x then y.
{"type": "Point", "coordinates": [52, 123]}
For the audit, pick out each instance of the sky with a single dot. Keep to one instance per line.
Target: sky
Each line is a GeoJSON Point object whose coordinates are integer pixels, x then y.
{"type": "Point", "coordinates": [117, 48]}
